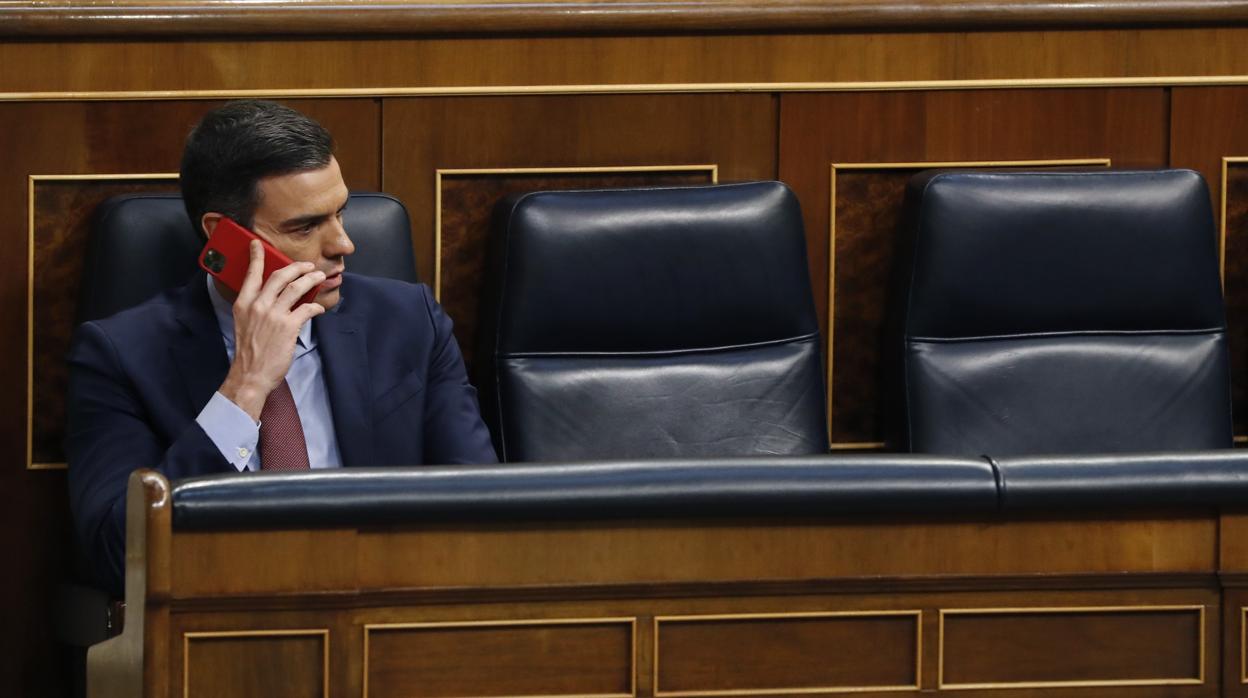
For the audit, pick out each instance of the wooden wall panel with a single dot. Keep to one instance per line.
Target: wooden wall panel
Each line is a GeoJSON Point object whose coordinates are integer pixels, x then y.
{"type": "Point", "coordinates": [735, 133]}
{"type": "Point", "coordinates": [514, 658]}
{"type": "Point", "coordinates": [43, 67]}
{"type": "Point", "coordinates": [63, 211]}
{"type": "Point", "coordinates": [817, 131]}
{"type": "Point", "coordinates": [787, 653]}
{"type": "Point", "coordinates": [1037, 647]}
{"type": "Point", "coordinates": [1202, 138]}
{"type": "Point", "coordinates": [256, 664]}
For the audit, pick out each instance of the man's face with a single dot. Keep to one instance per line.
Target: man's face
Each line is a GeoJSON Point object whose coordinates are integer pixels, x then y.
{"type": "Point", "coordinates": [301, 215]}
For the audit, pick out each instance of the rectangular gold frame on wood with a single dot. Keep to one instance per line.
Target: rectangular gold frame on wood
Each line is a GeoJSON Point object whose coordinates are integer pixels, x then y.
{"type": "Point", "coordinates": [1243, 641]}
{"type": "Point", "coordinates": [30, 288]}
{"type": "Point", "coordinates": [840, 166]}
{"type": "Point", "coordinates": [1102, 683]}
{"type": "Point", "coordinates": [511, 623]}
{"type": "Point", "coordinates": [815, 690]}
{"type": "Point", "coordinates": [713, 170]}
{"type": "Point", "coordinates": [1227, 161]}
{"type": "Point", "coordinates": [323, 633]}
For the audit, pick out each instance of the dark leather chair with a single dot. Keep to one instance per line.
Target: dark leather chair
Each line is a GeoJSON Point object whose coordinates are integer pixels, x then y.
{"type": "Point", "coordinates": [1059, 312]}
{"type": "Point", "coordinates": [651, 323]}
{"type": "Point", "coordinates": [142, 244]}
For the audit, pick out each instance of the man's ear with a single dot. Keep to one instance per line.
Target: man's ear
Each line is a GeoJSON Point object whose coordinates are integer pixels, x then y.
{"type": "Point", "coordinates": [208, 222]}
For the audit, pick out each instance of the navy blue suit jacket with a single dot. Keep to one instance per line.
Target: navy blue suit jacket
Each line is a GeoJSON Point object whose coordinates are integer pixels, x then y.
{"type": "Point", "coordinates": [397, 389]}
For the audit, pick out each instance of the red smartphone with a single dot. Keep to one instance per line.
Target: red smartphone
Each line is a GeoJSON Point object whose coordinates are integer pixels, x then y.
{"type": "Point", "coordinates": [228, 253]}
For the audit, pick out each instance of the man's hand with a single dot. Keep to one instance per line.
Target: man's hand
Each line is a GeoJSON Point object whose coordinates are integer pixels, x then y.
{"type": "Point", "coordinates": [266, 329]}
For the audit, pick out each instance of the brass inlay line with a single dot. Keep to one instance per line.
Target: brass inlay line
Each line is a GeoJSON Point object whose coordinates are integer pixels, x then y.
{"type": "Point", "coordinates": [918, 659]}
{"type": "Point", "coordinates": [631, 88]}
{"type": "Point", "coordinates": [30, 290]}
{"type": "Point", "coordinates": [1226, 163]}
{"type": "Point", "coordinates": [457, 172]}
{"type": "Point", "coordinates": [940, 649]}
{"type": "Point", "coordinates": [531, 622]}
{"type": "Point", "coordinates": [1243, 642]}
{"type": "Point", "coordinates": [323, 633]}
{"type": "Point", "coordinates": [916, 165]}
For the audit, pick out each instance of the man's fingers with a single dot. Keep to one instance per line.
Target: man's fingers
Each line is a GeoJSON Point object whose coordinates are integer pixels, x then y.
{"type": "Point", "coordinates": [255, 271]}
{"type": "Point", "coordinates": [297, 288]}
{"type": "Point", "coordinates": [279, 279]}
{"type": "Point", "coordinates": [307, 311]}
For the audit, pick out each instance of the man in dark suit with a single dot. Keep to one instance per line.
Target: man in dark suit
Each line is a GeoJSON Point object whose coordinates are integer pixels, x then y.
{"type": "Point", "coordinates": [204, 379]}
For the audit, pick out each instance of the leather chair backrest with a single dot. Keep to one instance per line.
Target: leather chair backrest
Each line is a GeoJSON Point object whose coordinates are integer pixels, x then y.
{"type": "Point", "coordinates": [142, 244]}
{"type": "Point", "coordinates": [674, 322]}
{"type": "Point", "coordinates": [1059, 312]}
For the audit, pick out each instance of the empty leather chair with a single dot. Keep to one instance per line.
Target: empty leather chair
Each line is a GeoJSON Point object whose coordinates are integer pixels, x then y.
{"type": "Point", "coordinates": [1060, 312]}
{"type": "Point", "coordinates": [142, 244]}
{"type": "Point", "coordinates": [645, 323]}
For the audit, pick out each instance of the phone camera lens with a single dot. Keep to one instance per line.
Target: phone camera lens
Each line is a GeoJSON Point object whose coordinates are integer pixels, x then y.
{"type": "Point", "coordinates": [214, 260]}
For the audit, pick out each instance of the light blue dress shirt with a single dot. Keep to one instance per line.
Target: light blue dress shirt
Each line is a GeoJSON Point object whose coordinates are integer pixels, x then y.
{"type": "Point", "coordinates": [232, 429]}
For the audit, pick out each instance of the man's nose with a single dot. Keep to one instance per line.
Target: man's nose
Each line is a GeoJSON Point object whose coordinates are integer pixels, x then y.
{"type": "Point", "coordinates": [339, 243]}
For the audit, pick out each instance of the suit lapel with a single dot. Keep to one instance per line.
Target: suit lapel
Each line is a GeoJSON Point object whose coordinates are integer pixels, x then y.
{"type": "Point", "coordinates": [198, 351]}
{"type": "Point", "coordinates": [344, 361]}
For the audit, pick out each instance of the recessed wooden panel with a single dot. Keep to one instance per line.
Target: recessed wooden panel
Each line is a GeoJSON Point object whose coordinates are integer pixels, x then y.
{"type": "Point", "coordinates": [259, 664]}
{"type": "Point", "coordinates": [1072, 647]}
{"type": "Point", "coordinates": [737, 132]}
{"type": "Point", "coordinates": [538, 658]}
{"type": "Point", "coordinates": [807, 653]}
{"type": "Point", "coordinates": [466, 200]}
{"type": "Point", "coordinates": [1234, 243]}
{"type": "Point", "coordinates": [61, 216]}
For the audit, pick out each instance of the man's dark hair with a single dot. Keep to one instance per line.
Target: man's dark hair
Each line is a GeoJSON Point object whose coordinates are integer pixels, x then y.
{"type": "Point", "coordinates": [236, 146]}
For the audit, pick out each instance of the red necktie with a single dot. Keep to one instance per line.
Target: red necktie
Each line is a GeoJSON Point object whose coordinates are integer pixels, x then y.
{"type": "Point", "coordinates": [281, 435]}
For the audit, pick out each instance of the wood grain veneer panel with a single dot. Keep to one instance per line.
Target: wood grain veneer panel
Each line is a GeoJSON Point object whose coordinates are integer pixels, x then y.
{"type": "Point", "coordinates": [1235, 285]}
{"type": "Point", "coordinates": [62, 221]}
{"type": "Point", "coordinates": [255, 665]}
{"type": "Point", "coordinates": [1197, 143]}
{"type": "Point", "coordinates": [465, 206]}
{"type": "Point", "coordinates": [674, 552]}
{"type": "Point", "coordinates": [1125, 126]}
{"type": "Point", "coordinates": [548, 658]}
{"type": "Point", "coordinates": [1120, 646]}
{"type": "Point", "coordinates": [384, 63]}
{"type": "Point", "coordinates": [734, 132]}
{"type": "Point", "coordinates": [250, 562]}
{"type": "Point", "coordinates": [787, 653]}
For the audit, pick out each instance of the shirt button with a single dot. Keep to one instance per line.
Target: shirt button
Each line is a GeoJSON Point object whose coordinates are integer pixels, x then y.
{"type": "Point", "coordinates": [243, 453]}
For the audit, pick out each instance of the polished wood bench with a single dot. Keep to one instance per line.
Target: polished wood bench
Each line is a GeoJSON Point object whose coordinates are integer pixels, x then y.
{"type": "Point", "coordinates": [871, 574]}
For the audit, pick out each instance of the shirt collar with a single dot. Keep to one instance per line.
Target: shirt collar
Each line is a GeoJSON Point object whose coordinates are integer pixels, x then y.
{"type": "Point", "coordinates": [224, 311]}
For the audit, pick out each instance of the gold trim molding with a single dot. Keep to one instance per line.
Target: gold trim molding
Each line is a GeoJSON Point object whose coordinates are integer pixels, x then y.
{"type": "Point", "coordinates": [629, 88]}
{"type": "Point", "coordinates": [814, 690]}
{"type": "Point", "coordinates": [712, 169]}
{"type": "Point", "coordinates": [1044, 610]}
{"type": "Point", "coordinates": [630, 621]}
{"type": "Point", "coordinates": [323, 633]}
{"type": "Point", "coordinates": [1243, 644]}
{"type": "Point", "coordinates": [31, 180]}
{"type": "Point", "coordinates": [916, 165]}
